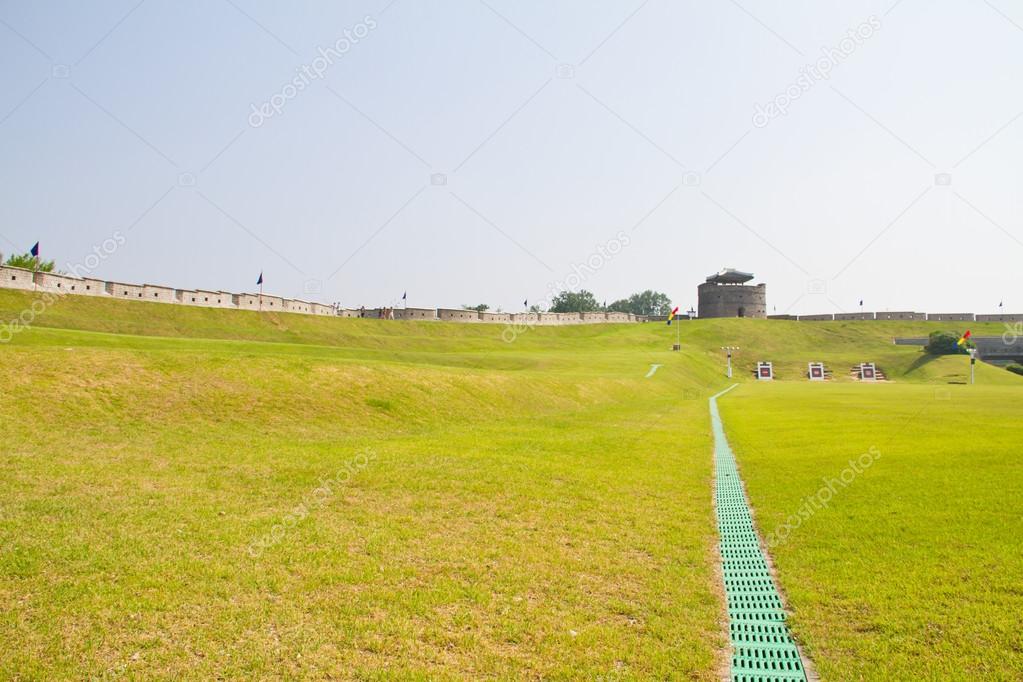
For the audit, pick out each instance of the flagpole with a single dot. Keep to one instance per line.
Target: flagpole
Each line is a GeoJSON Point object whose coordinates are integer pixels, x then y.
{"type": "Point", "coordinates": [261, 294]}
{"type": "Point", "coordinates": [671, 318]}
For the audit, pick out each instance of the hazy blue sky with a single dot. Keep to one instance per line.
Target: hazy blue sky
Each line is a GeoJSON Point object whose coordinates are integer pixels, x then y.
{"type": "Point", "coordinates": [553, 127]}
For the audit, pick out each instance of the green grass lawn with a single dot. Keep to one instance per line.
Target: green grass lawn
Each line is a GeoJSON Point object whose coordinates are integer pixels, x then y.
{"type": "Point", "coordinates": [201, 493]}
{"type": "Point", "coordinates": [545, 516]}
{"type": "Point", "coordinates": [914, 568]}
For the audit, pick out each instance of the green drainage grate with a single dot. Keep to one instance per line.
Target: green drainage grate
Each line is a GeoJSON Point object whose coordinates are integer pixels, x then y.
{"type": "Point", "coordinates": [762, 650]}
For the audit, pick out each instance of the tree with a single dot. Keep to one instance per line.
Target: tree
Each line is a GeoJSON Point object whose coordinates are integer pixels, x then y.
{"type": "Point", "coordinates": [620, 306]}
{"type": "Point", "coordinates": [575, 302]}
{"type": "Point", "coordinates": [945, 343]}
{"type": "Point", "coordinates": [28, 261]}
{"type": "Point", "coordinates": [645, 303]}
{"type": "Point", "coordinates": [481, 308]}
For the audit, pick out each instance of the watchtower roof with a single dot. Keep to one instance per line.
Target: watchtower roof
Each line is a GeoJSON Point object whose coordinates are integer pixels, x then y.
{"type": "Point", "coordinates": [730, 276]}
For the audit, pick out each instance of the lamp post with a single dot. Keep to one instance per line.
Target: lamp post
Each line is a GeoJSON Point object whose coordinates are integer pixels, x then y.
{"type": "Point", "coordinates": [728, 350]}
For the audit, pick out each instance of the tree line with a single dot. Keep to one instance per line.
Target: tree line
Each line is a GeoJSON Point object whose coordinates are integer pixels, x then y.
{"type": "Point", "coordinates": [647, 302]}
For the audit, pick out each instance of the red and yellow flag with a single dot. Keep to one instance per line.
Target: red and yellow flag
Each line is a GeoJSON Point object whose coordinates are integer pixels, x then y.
{"type": "Point", "coordinates": [672, 315]}
{"type": "Point", "coordinates": [965, 337]}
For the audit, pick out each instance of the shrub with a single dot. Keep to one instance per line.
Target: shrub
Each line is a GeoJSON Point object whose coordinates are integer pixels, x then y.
{"type": "Point", "coordinates": [28, 262]}
{"type": "Point", "coordinates": [1015, 368]}
{"type": "Point", "coordinates": [944, 343]}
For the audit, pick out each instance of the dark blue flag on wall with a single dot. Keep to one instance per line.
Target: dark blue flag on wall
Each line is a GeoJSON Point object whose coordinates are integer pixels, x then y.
{"type": "Point", "coordinates": [35, 250]}
{"type": "Point", "coordinates": [260, 280]}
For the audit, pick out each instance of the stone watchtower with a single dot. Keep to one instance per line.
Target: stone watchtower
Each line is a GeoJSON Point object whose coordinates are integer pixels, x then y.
{"type": "Point", "coordinates": [726, 294]}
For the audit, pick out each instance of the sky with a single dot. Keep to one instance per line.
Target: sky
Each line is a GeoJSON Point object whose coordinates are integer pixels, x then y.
{"type": "Point", "coordinates": [497, 151]}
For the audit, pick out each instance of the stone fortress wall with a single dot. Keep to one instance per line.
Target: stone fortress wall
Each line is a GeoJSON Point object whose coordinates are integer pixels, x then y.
{"type": "Point", "coordinates": [752, 298]}
{"type": "Point", "coordinates": [46, 282]}
{"type": "Point", "coordinates": [904, 315]}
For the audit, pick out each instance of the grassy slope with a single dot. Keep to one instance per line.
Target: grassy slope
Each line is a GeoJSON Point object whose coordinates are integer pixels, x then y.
{"type": "Point", "coordinates": [789, 344]}
{"type": "Point", "coordinates": [519, 493]}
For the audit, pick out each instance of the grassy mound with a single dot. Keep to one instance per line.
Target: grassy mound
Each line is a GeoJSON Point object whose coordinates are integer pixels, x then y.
{"type": "Point", "coordinates": [790, 345]}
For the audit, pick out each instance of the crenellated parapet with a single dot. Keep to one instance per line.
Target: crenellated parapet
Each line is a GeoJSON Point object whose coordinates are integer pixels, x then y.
{"type": "Point", "coordinates": [56, 283]}
{"type": "Point", "coordinates": [725, 298]}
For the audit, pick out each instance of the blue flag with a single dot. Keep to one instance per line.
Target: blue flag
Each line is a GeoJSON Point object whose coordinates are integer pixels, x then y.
{"type": "Point", "coordinates": [404, 296]}
{"type": "Point", "coordinates": [35, 250]}
{"type": "Point", "coordinates": [260, 280]}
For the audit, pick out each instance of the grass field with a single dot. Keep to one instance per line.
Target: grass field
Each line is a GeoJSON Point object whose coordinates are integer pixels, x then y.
{"type": "Point", "coordinates": [914, 568]}
{"type": "Point", "coordinates": [194, 493]}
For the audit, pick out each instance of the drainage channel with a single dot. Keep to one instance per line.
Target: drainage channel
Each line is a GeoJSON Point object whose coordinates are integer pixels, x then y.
{"type": "Point", "coordinates": [762, 649]}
